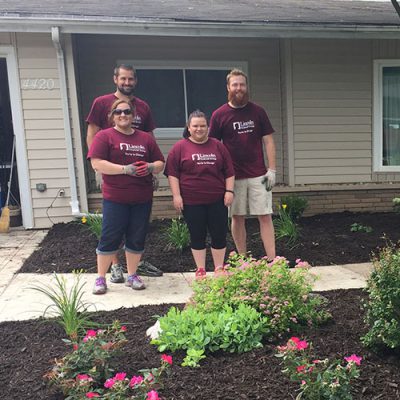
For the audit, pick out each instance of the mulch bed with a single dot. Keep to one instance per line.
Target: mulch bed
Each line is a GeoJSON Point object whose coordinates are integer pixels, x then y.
{"type": "Point", "coordinates": [27, 349]}
{"type": "Point", "coordinates": [324, 240]}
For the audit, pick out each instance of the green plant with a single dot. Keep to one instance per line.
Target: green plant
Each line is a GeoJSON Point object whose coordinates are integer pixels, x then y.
{"type": "Point", "coordinates": [68, 307]}
{"type": "Point", "coordinates": [285, 227]}
{"type": "Point", "coordinates": [396, 204]}
{"type": "Point", "coordinates": [93, 222]}
{"type": "Point", "coordinates": [296, 205]}
{"type": "Point", "coordinates": [90, 356]}
{"type": "Point", "coordinates": [383, 304]}
{"type": "Point", "coordinates": [193, 358]}
{"type": "Point", "coordinates": [178, 237]}
{"type": "Point", "coordinates": [281, 294]}
{"type": "Point", "coordinates": [232, 330]}
{"type": "Point", "coordinates": [319, 379]}
{"type": "Point", "coordinates": [356, 227]}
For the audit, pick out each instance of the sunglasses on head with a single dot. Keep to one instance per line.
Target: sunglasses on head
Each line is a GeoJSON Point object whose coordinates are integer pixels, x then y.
{"type": "Point", "coordinates": [126, 111]}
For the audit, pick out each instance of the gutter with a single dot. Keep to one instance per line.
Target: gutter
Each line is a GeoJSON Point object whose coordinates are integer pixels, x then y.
{"type": "Point", "coordinates": [74, 203]}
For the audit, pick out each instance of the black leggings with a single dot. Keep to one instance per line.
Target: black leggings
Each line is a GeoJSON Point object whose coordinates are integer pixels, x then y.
{"type": "Point", "coordinates": [212, 217]}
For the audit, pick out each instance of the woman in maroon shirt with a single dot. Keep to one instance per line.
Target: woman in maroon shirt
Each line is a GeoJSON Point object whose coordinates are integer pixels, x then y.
{"type": "Point", "coordinates": [126, 158]}
{"type": "Point", "coordinates": [200, 173]}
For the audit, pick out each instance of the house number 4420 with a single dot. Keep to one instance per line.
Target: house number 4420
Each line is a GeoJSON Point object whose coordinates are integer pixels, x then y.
{"type": "Point", "coordinates": [38, 84]}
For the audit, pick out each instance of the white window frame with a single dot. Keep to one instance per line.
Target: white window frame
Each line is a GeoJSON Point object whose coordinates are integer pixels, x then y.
{"type": "Point", "coordinates": [176, 132]}
{"type": "Point", "coordinates": [378, 115]}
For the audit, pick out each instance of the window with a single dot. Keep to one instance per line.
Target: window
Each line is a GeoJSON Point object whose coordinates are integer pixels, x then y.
{"type": "Point", "coordinates": [175, 89]}
{"type": "Point", "coordinates": [387, 115]}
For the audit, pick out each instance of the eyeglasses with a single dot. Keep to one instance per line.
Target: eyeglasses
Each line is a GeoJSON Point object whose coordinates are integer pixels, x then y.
{"type": "Point", "coordinates": [126, 111]}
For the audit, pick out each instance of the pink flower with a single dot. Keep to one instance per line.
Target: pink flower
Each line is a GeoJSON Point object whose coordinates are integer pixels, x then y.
{"type": "Point", "coordinates": [84, 377]}
{"type": "Point", "coordinates": [303, 382]}
{"type": "Point", "coordinates": [354, 358]}
{"type": "Point", "coordinates": [294, 339]}
{"type": "Point", "coordinates": [301, 368]}
{"type": "Point", "coordinates": [120, 376]}
{"type": "Point", "coordinates": [89, 334]}
{"type": "Point", "coordinates": [136, 380]}
{"type": "Point", "coordinates": [109, 383]}
{"type": "Point", "coordinates": [316, 361]}
{"type": "Point", "coordinates": [92, 395]}
{"type": "Point", "coordinates": [301, 345]}
{"type": "Point", "coordinates": [153, 395]}
{"type": "Point", "coordinates": [124, 328]}
{"type": "Point", "coordinates": [167, 359]}
{"type": "Point", "coordinates": [75, 347]}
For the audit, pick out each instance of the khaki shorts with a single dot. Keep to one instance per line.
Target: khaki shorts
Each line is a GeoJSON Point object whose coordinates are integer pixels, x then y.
{"type": "Point", "coordinates": [250, 195]}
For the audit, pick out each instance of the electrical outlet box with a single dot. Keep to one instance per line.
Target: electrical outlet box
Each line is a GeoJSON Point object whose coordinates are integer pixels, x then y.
{"type": "Point", "coordinates": [41, 187]}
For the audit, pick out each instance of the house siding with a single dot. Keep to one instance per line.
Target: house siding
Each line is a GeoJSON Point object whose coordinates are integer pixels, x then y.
{"type": "Point", "coordinates": [44, 129]}
{"type": "Point", "coordinates": [332, 111]}
{"type": "Point", "coordinates": [262, 57]}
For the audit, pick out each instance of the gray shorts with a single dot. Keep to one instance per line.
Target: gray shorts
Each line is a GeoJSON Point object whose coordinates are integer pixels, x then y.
{"type": "Point", "coordinates": [251, 197]}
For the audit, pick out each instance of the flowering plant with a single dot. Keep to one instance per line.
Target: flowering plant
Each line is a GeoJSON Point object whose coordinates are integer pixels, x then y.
{"type": "Point", "coordinates": [88, 363]}
{"type": "Point", "coordinates": [281, 294]}
{"type": "Point", "coordinates": [319, 379]}
{"type": "Point", "coordinates": [286, 227]}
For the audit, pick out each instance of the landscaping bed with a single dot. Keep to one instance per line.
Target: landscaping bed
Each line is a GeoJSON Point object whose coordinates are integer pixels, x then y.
{"type": "Point", "coordinates": [324, 240]}
{"type": "Point", "coordinates": [28, 348]}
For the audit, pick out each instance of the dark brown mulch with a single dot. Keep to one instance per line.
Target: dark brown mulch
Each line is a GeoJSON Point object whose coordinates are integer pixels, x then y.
{"type": "Point", "coordinates": [324, 240]}
{"type": "Point", "coordinates": [28, 347]}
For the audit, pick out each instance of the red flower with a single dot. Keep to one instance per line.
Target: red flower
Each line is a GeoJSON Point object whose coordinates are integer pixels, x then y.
{"type": "Point", "coordinates": [92, 395]}
{"type": "Point", "coordinates": [167, 359]}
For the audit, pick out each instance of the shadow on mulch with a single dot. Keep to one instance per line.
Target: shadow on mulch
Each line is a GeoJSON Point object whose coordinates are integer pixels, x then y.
{"type": "Point", "coordinates": [324, 240]}
{"type": "Point", "coordinates": [27, 349]}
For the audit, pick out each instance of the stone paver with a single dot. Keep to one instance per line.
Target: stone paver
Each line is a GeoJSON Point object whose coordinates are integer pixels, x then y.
{"type": "Point", "coordinates": [19, 302]}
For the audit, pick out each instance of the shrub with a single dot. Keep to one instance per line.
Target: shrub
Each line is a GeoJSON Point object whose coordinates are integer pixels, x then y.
{"type": "Point", "coordinates": [178, 237]}
{"type": "Point", "coordinates": [356, 227]}
{"type": "Point", "coordinates": [285, 227]}
{"type": "Point", "coordinates": [296, 205]}
{"type": "Point", "coordinates": [319, 379]}
{"type": "Point", "coordinates": [94, 223]}
{"type": "Point", "coordinates": [396, 204]}
{"type": "Point", "coordinates": [383, 304]}
{"type": "Point", "coordinates": [282, 295]}
{"type": "Point", "coordinates": [193, 329]}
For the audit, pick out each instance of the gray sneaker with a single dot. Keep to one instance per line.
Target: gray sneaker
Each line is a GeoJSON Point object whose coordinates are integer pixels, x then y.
{"type": "Point", "coordinates": [135, 282]}
{"type": "Point", "coordinates": [100, 285]}
{"type": "Point", "coordinates": [117, 273]}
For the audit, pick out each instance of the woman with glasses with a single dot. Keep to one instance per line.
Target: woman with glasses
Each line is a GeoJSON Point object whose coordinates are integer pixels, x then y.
{"type": "Point", "coordinates": [126, 157]}
{"type": "Point", "coordinates": [200, 173]}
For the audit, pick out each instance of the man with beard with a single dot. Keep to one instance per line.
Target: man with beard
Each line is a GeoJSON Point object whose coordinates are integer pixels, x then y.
{"type": "Point", "coordinates": [246, 131]}
{"type": "Point", "coordinates": [125, 80]}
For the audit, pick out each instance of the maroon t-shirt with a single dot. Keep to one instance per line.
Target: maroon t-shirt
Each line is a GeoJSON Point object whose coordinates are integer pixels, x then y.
{"type": "Point", "coordinates": [201, 170]}
{"type": "Point", "coordinates": [114, 146]}
{"type": "Point", "coordinates": [242, 130]}
{"type": "Point", "coordinates": [101, 107]}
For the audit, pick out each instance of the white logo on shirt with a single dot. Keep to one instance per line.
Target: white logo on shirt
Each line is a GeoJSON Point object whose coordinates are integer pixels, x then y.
{"type": "Point", "coordinates": [240, 125]}
{"type": "Point", "coordinates": [204, 158]}
{"type": "Point", "coordinates": [132, 149]}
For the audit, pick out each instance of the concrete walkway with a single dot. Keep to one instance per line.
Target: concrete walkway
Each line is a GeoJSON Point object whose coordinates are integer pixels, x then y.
{"type": "Point", "coordinates": [18, 301]}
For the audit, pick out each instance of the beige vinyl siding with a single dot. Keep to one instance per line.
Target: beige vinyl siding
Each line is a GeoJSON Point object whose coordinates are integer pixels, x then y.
{"type": "Point", "coordinates": [332, 111]}
{"type": "Point", "coordinates": [5, 38]}
{"type": "Point", "coordinates": [97, 56]}
{"type": "Point", "coordinates": [44, 129]}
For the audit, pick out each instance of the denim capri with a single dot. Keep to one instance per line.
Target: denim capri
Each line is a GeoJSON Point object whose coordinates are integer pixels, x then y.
{"type": "Point", "coordinates": [124, 221]}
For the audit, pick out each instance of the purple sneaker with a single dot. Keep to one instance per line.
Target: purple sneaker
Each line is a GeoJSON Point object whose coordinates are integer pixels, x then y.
{"type": "Point", "coordinates": [135, 282]}
{"type": "Point", "coordinates": [100, 285]}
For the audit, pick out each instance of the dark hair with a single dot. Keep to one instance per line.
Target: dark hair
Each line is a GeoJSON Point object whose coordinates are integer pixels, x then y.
{"type": "Point", "coordinates": [115, 105]}
{"type": "Point", "coordinates": [235, 72]}
{"type": "Point", "coordinates": [194, 114]}
{"type": "Point", "coordinates": [126, 67]}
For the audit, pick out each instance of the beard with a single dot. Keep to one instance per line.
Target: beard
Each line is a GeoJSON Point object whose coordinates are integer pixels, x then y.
{"type": "Point", "coordinates": [239, 99]}
{"type": "Point", "coordinates": [126, 90]}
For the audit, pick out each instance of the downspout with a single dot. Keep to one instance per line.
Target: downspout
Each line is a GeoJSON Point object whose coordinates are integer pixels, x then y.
{"type": "Point", "coordinates": [74, 203]}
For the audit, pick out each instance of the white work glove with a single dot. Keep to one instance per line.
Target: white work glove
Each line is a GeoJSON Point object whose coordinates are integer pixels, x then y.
{"type": "Point", "coordinates": [129, 169]}
{"type": "Point", "coordinates": [269, 179]}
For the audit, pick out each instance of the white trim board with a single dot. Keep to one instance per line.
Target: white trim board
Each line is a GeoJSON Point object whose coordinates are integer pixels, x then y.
{"type": "Point", "coordinates": [9, 54]}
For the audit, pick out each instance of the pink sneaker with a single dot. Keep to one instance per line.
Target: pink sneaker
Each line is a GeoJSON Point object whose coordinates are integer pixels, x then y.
{"type": "Point", "coordinates": [200, 273]}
